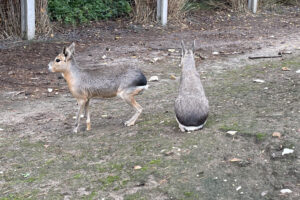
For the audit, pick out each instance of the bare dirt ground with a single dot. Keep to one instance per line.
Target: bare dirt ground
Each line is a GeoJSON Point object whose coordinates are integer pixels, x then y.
{"type": "Point", "coordinates": [42, 159]}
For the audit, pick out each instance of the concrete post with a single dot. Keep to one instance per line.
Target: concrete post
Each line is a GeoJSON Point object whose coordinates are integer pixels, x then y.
{"type": "Point", "coordinates": [164, 12]}
{"type": "Point", "coordinates": [28, 19]}
{"type": "Point", "coordinates": [158, 11]}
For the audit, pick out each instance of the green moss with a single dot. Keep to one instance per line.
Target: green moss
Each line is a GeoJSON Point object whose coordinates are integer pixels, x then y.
{"type": "Point", "coordinates": [108, 181]}
{"type": "Point", "coordinates": [261, 136]}
{"type": "Point", "coordinates": [77, 176]}
{"type": "Point", "coordinates": [229, 127]}
{"type": "Point", "coordinates": [155, 162]}
{"type": "Point", "coordinates": [188, 194]}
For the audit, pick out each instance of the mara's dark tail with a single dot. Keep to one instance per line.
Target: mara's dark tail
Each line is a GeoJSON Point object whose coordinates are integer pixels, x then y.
{"type": "Point", "coordinates": [140, 80]}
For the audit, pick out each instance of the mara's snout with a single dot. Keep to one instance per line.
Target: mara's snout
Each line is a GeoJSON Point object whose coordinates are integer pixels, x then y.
{"type": "Point", "coordinates": [50, 66]}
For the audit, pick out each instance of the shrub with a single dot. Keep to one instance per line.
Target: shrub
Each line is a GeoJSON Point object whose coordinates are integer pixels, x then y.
{"type": "Point", "coordinates": [82, 11]}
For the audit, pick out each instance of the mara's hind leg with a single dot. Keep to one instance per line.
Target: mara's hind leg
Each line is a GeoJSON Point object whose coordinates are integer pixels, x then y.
{"type": "Point", "coordinates": [87, 114]}
{"type": "Point", "coordinates": [129, 98]}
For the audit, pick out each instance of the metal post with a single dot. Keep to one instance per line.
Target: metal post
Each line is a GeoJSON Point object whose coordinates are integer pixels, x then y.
{"type": "Point", "coordinates": [254, 6]}
{"type": "Point", "coordinates": [164, 12]}
{"type": "Point", "coordinates": [28, 19]}
{"type": "Point", "coordinates": [250, 4]}
{"type": "Point", "coordinates": [158, 11]}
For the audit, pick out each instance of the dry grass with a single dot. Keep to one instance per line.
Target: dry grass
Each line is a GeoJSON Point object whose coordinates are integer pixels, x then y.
{"type": "Point", "coordinates": [145, 10]}
{"type": "Point", "coordinates": [235, 5]}
{"type": "Point", "coordinates": [42, 20]}
{"type": "Point", "coordinates": [10, 18]}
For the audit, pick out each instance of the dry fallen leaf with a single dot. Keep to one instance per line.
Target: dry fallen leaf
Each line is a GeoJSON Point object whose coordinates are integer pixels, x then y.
{"type": "Point", "coordinates": [285, 69]}
{"type": "Point", "coordinates": [235, 160]}
{"type": "Point", "coordinates": [172, 77]}
{"type": "Point", "coordinates": [276, 134]}
{"type": "Point", "coordinates": [163, 181]}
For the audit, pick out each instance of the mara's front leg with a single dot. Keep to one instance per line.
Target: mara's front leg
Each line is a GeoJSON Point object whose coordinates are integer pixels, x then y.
{"type": "Point", "coordinates": [81, 103]}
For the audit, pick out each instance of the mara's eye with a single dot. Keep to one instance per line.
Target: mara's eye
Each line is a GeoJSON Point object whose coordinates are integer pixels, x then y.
{"type": "Point", "coordinates": [57, 60]}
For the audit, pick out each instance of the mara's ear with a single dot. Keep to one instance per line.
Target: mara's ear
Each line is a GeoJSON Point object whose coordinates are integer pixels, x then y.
{"type": "Point", "coordinates": [69, 51]}
{"type": "Point", "coordinates": [182, 48]}
{"type": "Point", "coordinates": [64, 52]}
{"type": "Point", "coordinates": [193, 47]}
{"type": "Point", "coordinates": [71, 48]}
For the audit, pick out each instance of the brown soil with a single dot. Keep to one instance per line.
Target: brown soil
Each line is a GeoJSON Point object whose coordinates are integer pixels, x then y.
{"type": "Point", "coordinates": [42, 158]}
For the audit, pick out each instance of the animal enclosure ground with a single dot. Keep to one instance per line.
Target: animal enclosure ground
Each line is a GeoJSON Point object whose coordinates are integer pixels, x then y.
{"type": "Point", "coordinates": [41, 157]}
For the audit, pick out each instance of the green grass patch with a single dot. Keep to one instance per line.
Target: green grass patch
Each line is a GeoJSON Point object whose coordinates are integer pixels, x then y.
{"type": "Point", "coordinates": [230, 127]}
{"type": "Point", "coordinates": [77, 176]}
{"type": "Point", "coordinates": [261, 136]}
{"type": "Point", "coordinates": [108, 181]}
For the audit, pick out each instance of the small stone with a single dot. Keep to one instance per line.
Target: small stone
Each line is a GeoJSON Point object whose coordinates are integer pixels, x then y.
{"type": "Point", "coordinates": [50, 90]}
{"type": "Point", "coordinates": [104, 57]}
{"type": "Point", "coordinates": [231, 132]}
{"type": "Point", "coordinates": [286, 191]}
{"type": "Point", "coordinates": [104, 116]}
{"type": "Point", "coordinates": [298, 71]}
{"type": "Point", "coordinates": [137, 167]}
{"type": "Point", "coordinates": [276, 134]}
{"type": "Point", "coordinates": [153, 78]}
{"type": "Point", "coordinates": [238, 188]}
{"type": "Point", "coordinates": [168, 153]}
{"type": "Point", "coordinates": [287, 151]}
{"type": "Point", "coordinates": [264, 193]}
{"type": "Point", "coordinates": [155, 59]}
{"type": "Point", "coordinates": [258, 81]}
{"type": "Point", "coordinates": [215, 53]}
{"type": "Point", "coordinates": [171, 50]}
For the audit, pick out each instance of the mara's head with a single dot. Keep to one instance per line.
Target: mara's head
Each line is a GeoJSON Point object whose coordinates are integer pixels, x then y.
{"type": "Point", "coordinates": [187, 53]}
{"type": "Point", "coordinates": [62, 60]}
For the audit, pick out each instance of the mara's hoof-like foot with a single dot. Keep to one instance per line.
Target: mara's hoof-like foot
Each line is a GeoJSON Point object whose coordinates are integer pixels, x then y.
{"type": "Point", "coordinates": [129, 123]}
{"type": "Point", "coordinates": [75, 130]}
{"type": "Point", "coordinates": [88, 126]}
